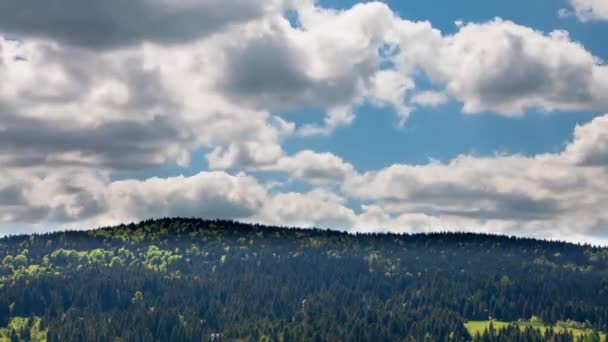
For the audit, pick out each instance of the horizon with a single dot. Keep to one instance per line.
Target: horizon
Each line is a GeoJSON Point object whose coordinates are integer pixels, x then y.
{"type": "Point", "coordinates": [313, 229]}
{"type": "Point", "coordinates": [367, 116]}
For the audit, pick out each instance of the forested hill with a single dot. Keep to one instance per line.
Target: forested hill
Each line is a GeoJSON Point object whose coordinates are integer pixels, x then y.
{"type": "Point", "coordinates": [196, 280]}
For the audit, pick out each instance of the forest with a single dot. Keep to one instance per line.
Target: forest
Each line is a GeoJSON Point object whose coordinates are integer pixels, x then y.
{"type": "Point", "coordinates": [188, 279]}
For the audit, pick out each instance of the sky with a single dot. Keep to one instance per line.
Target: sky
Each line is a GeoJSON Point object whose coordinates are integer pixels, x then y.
{"type": "Point", "coordinates": [394, 116]}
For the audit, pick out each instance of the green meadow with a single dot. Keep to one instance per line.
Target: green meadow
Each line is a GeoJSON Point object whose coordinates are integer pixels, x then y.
{"type": "Point", "coordinates": [478, 327]}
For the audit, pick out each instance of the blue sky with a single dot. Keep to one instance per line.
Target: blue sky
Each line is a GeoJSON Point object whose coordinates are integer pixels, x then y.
{"type": "Point", "coordinates": [443, 133]}
{"type": "Point", "coordinates": [375, 139]}
{"type": "Point", "coordinates": [486, 116]}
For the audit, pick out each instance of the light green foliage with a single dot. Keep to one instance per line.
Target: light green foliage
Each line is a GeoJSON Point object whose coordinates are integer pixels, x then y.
{"type": "Point", "coordinates": [193, 250]}
{"type": "Point", "coordinates": [100, 256]}
{"type": "Point", "coordinates": [159, 259]}
{"type": "Point", "coordinates": [375, 262]}
{"type": "Point", "coordinates": [173, 258]}
{"type": "Point", "coordinates": [35, 270]}
{"type": "Point", "coordinates": [381, 264]}
{"type": "Point", "coordinates": [122, 233]}
{"type": "Point", "coordinates": [153, 251]}
{"type": "Point", "coordinates": [69, 257]}
{"type": "Point", "coordinates": [478, 327]}
{"type": "Point", "coordinates": [126, 255]}
{"type": "Point", "coordinates": [315, 243]}
{"type": "Point", "coordinates": [116, 262]}
{"type": "Point", "coordinates": [535, 320]}
{"type": "Point", "coordinates": [138, 297]}
{"type": "Point", "coordinates": [569, 324]}
{"type": "Point", "coordinates": [18, 323]}
{"type": "Point", "coordinates": [593, 337]}
{"type": "Point", "coordinates": [8, 260]}
{"type": "Point", "coordinates": [20, 261]}
{"type": "Point", "coordinates": [31, 271]}
{"type": "Point", "coordinates": [25, 328]}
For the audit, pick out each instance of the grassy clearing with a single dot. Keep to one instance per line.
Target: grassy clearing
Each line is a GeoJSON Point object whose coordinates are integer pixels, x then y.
{"type": "Point", "coordinates": [478, 327]}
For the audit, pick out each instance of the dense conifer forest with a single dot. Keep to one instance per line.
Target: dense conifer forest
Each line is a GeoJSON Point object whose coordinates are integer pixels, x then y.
{"type": "Point", "coordinates": [197, 280]}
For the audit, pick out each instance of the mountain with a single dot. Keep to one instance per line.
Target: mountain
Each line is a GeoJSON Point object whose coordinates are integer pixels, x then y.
{"type": "Point", "coordinates": [195, 280]}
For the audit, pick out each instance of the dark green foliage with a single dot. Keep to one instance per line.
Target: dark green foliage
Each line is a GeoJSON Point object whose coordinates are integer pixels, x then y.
{"type": "Point", "coordinates": [191, 280]}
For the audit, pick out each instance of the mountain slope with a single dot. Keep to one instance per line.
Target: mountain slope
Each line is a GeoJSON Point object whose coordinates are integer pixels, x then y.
{"type": "Point", "coordinates": [190, 279]}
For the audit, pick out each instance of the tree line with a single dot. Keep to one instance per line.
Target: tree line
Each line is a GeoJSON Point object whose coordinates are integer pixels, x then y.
{"type": "Point", "coordinates": [200, 280]}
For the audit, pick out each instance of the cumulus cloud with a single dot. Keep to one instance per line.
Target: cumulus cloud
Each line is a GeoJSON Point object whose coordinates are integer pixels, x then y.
{"type": "Point", "coordinates": [87, 93]}
{"type": "Point", "coordinates": [559, 195]}
{"type": "Point", "coordinates": [145, 105]}
{"type": "Point", "coordinates": [76, 195]}
{"type": "Point", "coordinates": [207, 194]}
{"type": "Point", "coordinates": [316, 167]}
{"type": "Point", "coordinates": [590, 145]}
{"type": "Point", "coordinates": [390, 87]}
{"type": "Point", "coordinates": [588, 10]}
{"type": "Point", "coordinates": [86, 198]}
{"type": "Point", "coordinates": [134, 111]}
{"type": "Point", "coordinates": [317, 208]}
{"type": "Point", "coordinates": [335, 117]}
{"type": "Point", "coordinates": [31, 195]}
{"type": "Point", "coordinates": [116, 145]}
{"type": "Point", "coordinates": [111, 23]}
{"type": "Point", "coordinates": [332, 61]}
{"type": "Point", "coordinates": [55, 111]}
{"type": "Point", "coordinates": [508, 68]}
{"type": "Point", "coordinates": [429, 98]}
{"type": "Point", "coordinates": [467, 186]}
{"type": "Point", "coordinates": [548, 194]}
{"type": "Point", "coordinates": [249, 155]}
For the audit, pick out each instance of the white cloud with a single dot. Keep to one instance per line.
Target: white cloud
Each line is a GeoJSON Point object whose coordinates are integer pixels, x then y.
{"type": "Point", "coordinates": [333, 61]}
{"type": "Point", "coordinates": [149, 105]}
{"type": "Point", "coordinates": [143, 109]}
{"type": "Point", "coordinates": [507, 68]}
{"type": "Point", "coordinates": [390, 87]}
{"type": "Point", "coordinates": [590, 145]}
{"type": "Point", "coordinates": [249, 155]}
{"type": "Point", "coordinates": [546, 195]}
{"type": "Point", "coordinates": [79, 105]}
{"type": "Point", "coordinates": [110, 24]}
{"type": "Point", "coordinates": [316, 167]}
{"type": "Point", "coordinates": [335, 117]}
{"type": "Point", "coordinates": [207, 194]}
{"type": "Point", "coordinates": [317, 208]}
{"type": "Point", "coordinates": [33, 195]}
{"type": "Point", "coordinates": [429, 98]}
{"type": "Point", "coordinates": [589, 10]}
{"type": "Point", "coordinates": [559, 195]}
{"type": "Point", "coordinates": [85, 200]}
